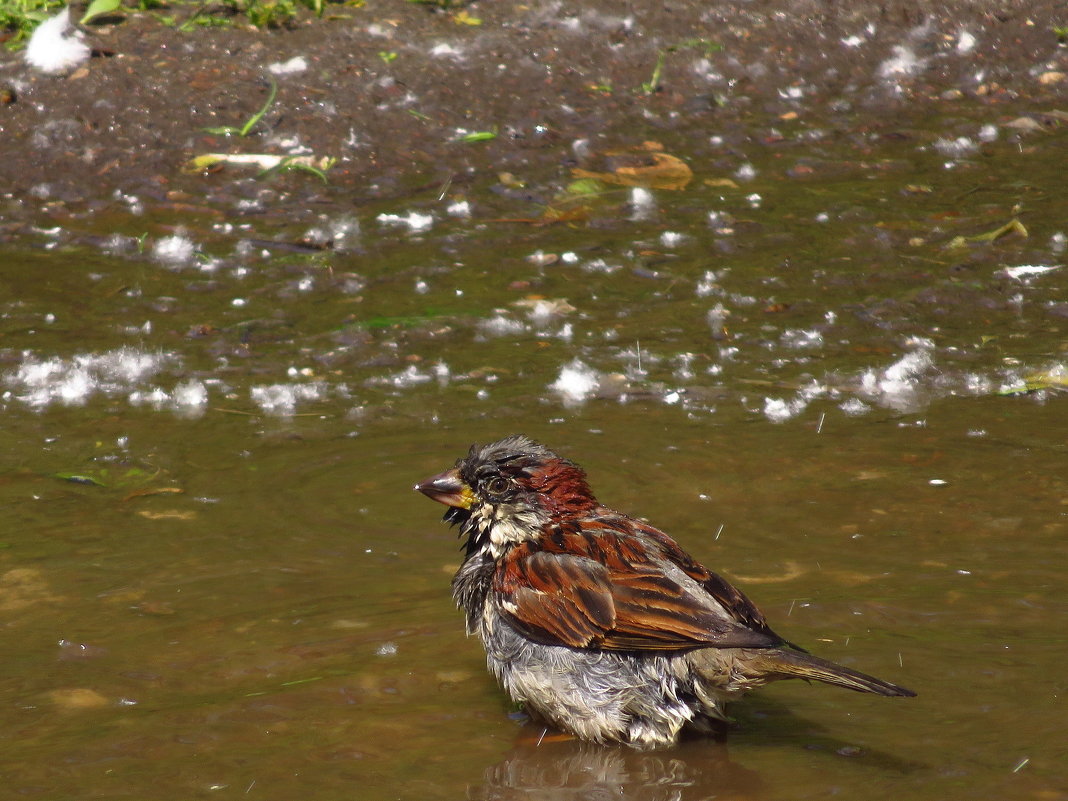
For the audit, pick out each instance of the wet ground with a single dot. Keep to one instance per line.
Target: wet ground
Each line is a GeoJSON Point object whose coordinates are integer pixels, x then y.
{"type": "Point", "coordinates": [831, 363]}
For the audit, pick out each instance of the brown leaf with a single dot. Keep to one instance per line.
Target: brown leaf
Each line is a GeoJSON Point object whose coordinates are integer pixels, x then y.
{"type": "Point", "coordinates": [172, 514]}
{"type": "Point", "coordinates": [666, 172]}
{"type": "Point", "coordinates": [77, 698]}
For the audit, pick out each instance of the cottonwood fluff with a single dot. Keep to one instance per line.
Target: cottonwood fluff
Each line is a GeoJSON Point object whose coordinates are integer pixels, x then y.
{"type": "Point", "coordinates": [56, 46]}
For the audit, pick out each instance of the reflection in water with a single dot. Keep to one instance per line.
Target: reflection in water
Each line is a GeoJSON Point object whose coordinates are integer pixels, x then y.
{"type": "Point", "coordinates": [571, 769]}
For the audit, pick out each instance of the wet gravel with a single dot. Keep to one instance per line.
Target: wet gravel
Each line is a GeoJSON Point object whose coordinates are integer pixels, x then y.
{"type": "Point", "coordinates": [391, 91]}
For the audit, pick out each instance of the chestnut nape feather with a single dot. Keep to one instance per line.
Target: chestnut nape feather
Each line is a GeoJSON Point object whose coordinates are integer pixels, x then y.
{"type": "Point", "coordinates": [556, 584]}
{"type": "Point", "coordinates": [564, 485]}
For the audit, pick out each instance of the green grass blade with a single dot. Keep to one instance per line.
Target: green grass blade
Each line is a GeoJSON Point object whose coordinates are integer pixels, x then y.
{"type": "Point", "coordinates": [98, 7]}
{"type": "Point", "coordinates": [259, 115]}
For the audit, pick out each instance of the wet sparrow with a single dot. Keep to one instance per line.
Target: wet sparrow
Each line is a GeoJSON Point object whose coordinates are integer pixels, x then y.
{"type": "Point", "coordinates": [597, 623]}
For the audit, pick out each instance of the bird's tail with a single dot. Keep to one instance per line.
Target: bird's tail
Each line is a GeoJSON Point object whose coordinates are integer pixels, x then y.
{"type": "Point", "coordinates": [797, 664]}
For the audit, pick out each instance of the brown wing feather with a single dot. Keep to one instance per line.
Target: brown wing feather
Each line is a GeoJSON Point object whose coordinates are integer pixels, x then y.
{"type": "Point", "coordinates": [589, 585]}
{"type": "Point", "coordinates": [730, 597]}
{"type": "Point", "coordinates": [555, 598]}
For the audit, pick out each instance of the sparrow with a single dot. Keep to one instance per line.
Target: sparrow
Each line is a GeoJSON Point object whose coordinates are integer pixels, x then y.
{"type": "Point", "coordinates": [597, 623]}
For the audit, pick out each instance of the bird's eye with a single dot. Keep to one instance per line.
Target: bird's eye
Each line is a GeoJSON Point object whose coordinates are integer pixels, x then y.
{"type": "Point", "coordinates": [497, 486]}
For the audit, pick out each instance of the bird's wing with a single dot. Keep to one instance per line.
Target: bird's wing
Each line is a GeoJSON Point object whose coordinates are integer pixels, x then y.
{"type": "Point", "coordinates": [587, 588]}
{"type": "Point", "coordinates": [730, 597]}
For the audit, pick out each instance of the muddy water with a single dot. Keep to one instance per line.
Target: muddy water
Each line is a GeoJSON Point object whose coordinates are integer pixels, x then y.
{"type": "Point", "coordinates": [216, 581]}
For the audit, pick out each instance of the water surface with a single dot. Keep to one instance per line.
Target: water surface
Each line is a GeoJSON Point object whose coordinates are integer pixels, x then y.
{"type": "Point", "coordinates": [215, 579]}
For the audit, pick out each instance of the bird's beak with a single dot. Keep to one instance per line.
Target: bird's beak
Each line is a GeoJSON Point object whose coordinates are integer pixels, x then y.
{"type": "Point", "coordinates": [447, 488]}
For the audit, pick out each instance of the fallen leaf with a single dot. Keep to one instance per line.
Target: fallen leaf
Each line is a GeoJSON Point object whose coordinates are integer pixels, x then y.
{"type": "Point", "coordinates": [540, 259]}
{"type": "Point", "coordinates": [1013, 226]}
{"type": "Point", "coordinates": [585, 186]}
{"type": "Point", "coordinates": [545, 307]}
{"type": "Point", "coordinates": [77, 698]}
{"type": "Point", "coordinates": [1055, 378]}
{"type": "Point", "coordinates": [262, 161]}
{"type": "Point", "coordinates": [869, 475]}
{"type": "Point", "coordinates": [1024, 124]}
{"type": "Point", "coordinates": [509, 180]}
{"type": "Point", "coordinates": [1023, 272]}
{"type": "Point", "coordinates": [171, 514]}
{"type": "Point", "coordinates": [465, 18]}
{"type": "Point", "coordinates": [646, 165]}
{"type": "Point", "coordinates": [666, 172]}
{"type": "Point", "coordinates": [554, 215]}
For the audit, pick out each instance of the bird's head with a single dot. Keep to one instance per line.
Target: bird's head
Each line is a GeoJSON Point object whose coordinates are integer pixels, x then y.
{"type": "Point", "coordinates": [508, 491]}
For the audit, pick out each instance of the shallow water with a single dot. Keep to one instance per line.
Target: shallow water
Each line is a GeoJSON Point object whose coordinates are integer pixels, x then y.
{"type": "Point", "coordinates": [215, 578]}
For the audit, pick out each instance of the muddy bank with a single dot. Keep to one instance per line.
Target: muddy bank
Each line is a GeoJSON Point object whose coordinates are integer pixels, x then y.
{"type": "Point", "coordinates": [391, 92]}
